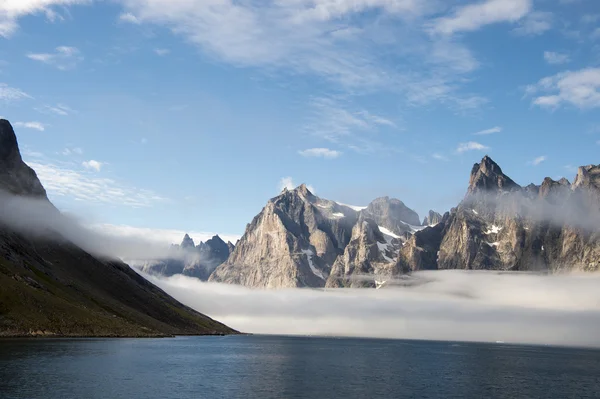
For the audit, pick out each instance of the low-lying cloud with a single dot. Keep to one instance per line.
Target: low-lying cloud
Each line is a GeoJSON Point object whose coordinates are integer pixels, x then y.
{"type": "Point", "coordinates": [440, 305]}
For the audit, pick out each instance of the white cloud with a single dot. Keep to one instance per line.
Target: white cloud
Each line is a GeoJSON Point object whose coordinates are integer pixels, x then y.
{"type": "Point", "coordinates": [439, 157]}
{"type": "Point", "coordinates": [535, 24]}
{"type": "Point", "coordinates": [554, 58]}
{"type": "Point", "coordinates": [162, 51]}
{"type": "Point", "coordinates": [340, 121]}
{"type": "Point", "coordinates": [320, 153]}
{"type": "Point", "coordinates": [63, 181]}
{"type": "Point", "coordinates": [440, 305]}
{"type": "Point", "coordinates": [31, 125]}
{"type": "Point", "coordinates": [68, 151]}
{"type": "Point", "coordinates": [95, 165]}
{"type": "Point", "coordinates": [9, 94]}
{"type": "Point", "coordinates": [12, 10]}
{"type": "Point", "coordinates": [59, 109]}
{"type": "Point", "coordinates": [577, 88]}
{"type": "Point", "coordinates": [64, 58]}
{"type": "Point", "coordinates": [471, 146]}
{"type": "Point", "coordinates": [288, 183]}
{"type": "Point", "coordinates": [472, 17]}
{"type": "Point", "coordinates": [538, 160]}
{"type": "Point", "coordinates": [129, 17]}
{"type": "Point", "coordinates": [493, 130]}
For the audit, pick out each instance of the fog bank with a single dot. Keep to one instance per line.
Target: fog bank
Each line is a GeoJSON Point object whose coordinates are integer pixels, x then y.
{"type": "Point", "coordinates": [443, 305]}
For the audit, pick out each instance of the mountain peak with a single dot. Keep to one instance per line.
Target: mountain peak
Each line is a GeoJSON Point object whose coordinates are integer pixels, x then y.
{"type": "Point", "coordinates": [9, 148]}
{"type": "Point", "coordinates": [303, 189]}
{"type": "Point", "coordinates": [15, 176]}
{"type": "Point", "coordinates": [488, 176]}
{"type": "Point", "coordinates": [187, 242]}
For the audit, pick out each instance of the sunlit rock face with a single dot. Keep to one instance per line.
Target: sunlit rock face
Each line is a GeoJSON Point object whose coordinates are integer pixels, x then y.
{"type": "Point", "coordinates": [502, 226]}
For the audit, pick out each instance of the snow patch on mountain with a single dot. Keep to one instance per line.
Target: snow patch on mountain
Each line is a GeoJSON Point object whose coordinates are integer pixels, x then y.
{"type": "Point", "coordinates": [309, 254]}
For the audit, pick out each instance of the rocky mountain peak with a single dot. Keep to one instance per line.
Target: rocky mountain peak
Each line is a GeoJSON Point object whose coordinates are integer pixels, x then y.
{"type": "Point", "coordinates": [15, 176]}
{"type": "Point", "coordinates": [432, 219]}
{"type": "Point", "coordinates": [588, 177]}
{"type": "Point", "coordinates": [392, 214]}
{"type": "Point", "coordinates": [488, 176]}
{"type": "Point", "coordinates": [187, 242]}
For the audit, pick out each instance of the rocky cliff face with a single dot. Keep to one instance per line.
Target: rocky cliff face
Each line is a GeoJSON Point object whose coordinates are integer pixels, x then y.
{"type": "Point", "coordinates": [51, 287]}
{"type": "Point", "coordinates": [369, 257]}
{"type": "Point", "coordinates": [432, 219]}
{"type": "Point", "coordinates": [301, 240]}
{"type": "Point", "coordinates": [293, 242]}
{"type": "Point", "coordinates": [15, 176]}
{"type": "Point", "coordinates": [502, 226]}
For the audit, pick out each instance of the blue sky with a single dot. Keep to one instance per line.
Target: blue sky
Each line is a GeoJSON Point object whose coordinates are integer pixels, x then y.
{"type": "Point", "coordinates": [188, 115]}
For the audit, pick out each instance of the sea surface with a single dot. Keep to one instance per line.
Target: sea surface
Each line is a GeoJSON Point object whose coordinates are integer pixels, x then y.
{"type": "Point", "coordinates": [262, 367]}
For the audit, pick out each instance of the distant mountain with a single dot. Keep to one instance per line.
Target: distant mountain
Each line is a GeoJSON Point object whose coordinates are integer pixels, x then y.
{"type": "Point", "coordinates": [502, 226]}
{"type": "Point", "coordinates": [51, 287]}
{"type": "Point", "coordinates": [190, 260]}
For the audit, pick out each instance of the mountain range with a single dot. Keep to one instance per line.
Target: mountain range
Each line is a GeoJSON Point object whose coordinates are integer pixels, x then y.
{"type": "Point", "coordinates": [301, 240]}
{"type": "Point", "coordinates": [51, 287]}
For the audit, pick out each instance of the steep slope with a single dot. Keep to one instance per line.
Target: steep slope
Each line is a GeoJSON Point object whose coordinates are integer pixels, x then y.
{"type": "Point", "coordinates": [502, 226]}
{"type": "Point", "coordinates": [368, 259]}
{"type": "Point", "coordinates": [293, 242]}
{"type": "Point", "coordinates": [49, 286]}
{"type": "Point", "coordinates": [392, 214]}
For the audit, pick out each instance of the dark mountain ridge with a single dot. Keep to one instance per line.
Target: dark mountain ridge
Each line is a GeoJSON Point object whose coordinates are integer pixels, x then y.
{"type": "Point", "coordinates": [51, 287]}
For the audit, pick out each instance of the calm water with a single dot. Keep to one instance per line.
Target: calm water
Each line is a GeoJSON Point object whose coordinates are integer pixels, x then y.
{"type": "Point", "coordinates": [283, 367]}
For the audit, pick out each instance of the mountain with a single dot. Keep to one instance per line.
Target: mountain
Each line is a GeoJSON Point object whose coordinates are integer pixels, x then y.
{"type": "Point", "coordinates": [370, 252]}
{"type": "Point", "coordinates": [432, 219]}
{"type": "Point", "coordinates": [188, 259]}
{"type": "Point", "coordinates": [292, 242]}
{"type": "Point", "coordinates": [392, 214]}
{"type": "Point", "coordinates": [51, 287]}
{"type": "Point", "coordinates": [500, 225]}
{"type": "Point", "coordinates": [301, 240]}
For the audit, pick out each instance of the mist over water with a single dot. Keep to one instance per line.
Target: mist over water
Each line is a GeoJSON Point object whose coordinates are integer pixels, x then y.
{"type": "Point", "coordinates": [440, 305]}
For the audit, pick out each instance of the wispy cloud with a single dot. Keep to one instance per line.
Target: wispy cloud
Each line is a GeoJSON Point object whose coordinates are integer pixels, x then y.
{"type": "Point", "coordinates": [64, 181]}
{"type": "Point", "coordinates": [555, 58]}
{"type": "Point", "coordinates": [496, 129]}
{"type": "Point", "coordinates": [161, 52]}
{"type": "Point", "coordinates": [93, 165]}
{"type": "Point", "coordinates": [577, 88]}
{"type": "Point", "coordinates": [129, 18]}
{"type": "Point", "coordinates": [59, 109]}
{"type": "Point", "coordinates": [472, 17]}
{"type": "Point", "coordinates": [320, 153]}
{"type": "Point", "coordinates": [31, 125]}
{"type": "Point", "coordinates": [535, 24]}
{"type": "Point", "coordinates": [340, 121]}
{"type": "Point", "coordinates": [9, 94]}
{"type": "Point", "coordinates": [11, 11]}
{"type": "Point", "coordinates": [439, 157]}
{"type": "Point", "coordinates": [538, 160]}
{"type": "Point", "coordinates": [288, 183]}
{"type": "Point", "coordinates": [69, 151]}
{"type": "Point", "coordinates": [63, 58]}
{"type": "Point", "coordinates": [471, 146]}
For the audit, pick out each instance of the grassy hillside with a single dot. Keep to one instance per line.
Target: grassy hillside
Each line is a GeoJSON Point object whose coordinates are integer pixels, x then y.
{"type": "Point", "coordinates": [52, 288]}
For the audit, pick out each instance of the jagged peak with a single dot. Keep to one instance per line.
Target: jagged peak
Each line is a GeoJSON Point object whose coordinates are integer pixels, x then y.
{"type": "Point", "coordinates": [488, 176]}
{"type": "Point", "coordinates": [9, 147]}
{"type": "Point", "coordinates": [187, 242]}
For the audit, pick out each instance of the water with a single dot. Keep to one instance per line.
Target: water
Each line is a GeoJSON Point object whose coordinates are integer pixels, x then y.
{"type": "Point", "coordinates": [284, 367]}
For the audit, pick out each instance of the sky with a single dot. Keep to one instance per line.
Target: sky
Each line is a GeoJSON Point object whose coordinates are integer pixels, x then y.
{"type": "Point", "coordinates": [165, 117]}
